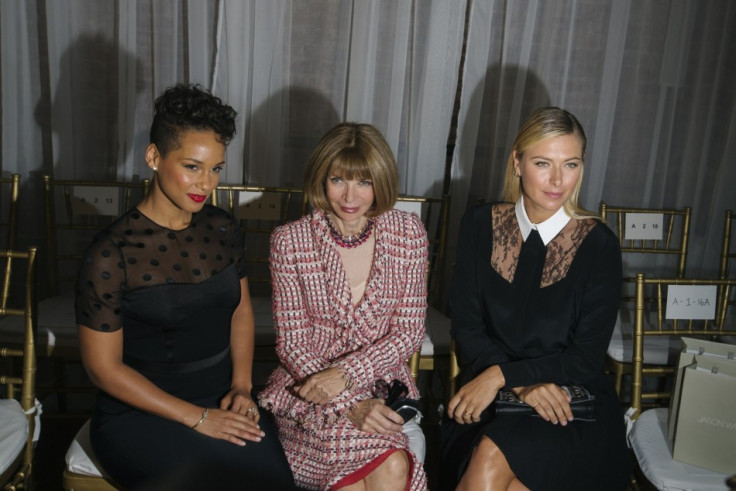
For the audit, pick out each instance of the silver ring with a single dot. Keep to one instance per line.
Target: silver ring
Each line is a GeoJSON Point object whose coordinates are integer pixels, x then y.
{"type": "Point", "coordinates": [253, 410]}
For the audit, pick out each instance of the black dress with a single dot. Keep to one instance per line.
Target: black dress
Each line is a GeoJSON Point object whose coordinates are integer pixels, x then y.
{"type": "Point", "coordinates": [543, 314]}
{"type": "Point", "coordinates": [174, 292]}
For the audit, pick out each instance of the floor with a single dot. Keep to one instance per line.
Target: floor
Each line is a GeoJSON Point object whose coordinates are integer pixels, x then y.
{"type": "Point", "coordinates": [58, 430]}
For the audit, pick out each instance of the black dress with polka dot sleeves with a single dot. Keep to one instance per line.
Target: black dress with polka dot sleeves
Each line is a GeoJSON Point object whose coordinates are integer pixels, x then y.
{"type": "Point", "coordinates": [173, 294]}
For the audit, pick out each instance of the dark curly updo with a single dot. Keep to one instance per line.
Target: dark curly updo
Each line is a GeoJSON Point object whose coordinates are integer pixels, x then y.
{"type": "Point", "coordinates": [186, 107]}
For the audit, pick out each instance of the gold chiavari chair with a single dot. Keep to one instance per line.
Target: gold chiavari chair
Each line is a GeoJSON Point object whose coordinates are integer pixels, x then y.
{"type": "Point", "coordinates": [10, 331]}
{"type": "Point", "coordinates": [18, 408]}
{"type": "Point", "coordinates": [656, 317]}
{"type": "Point", "coordinates": [728, 247]}
{"type": "Point", "coordinates": [10, 198]}
{"type": "Point", "coordinates": [644, 234]}
{"type": "Point", "coordinates": [10, 191]}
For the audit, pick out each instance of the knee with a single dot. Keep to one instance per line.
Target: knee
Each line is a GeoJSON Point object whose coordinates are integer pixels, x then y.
{"type": "Point", "coordinates": [488, 455]}
{"type": "Point", "coordinates": [396, 466]}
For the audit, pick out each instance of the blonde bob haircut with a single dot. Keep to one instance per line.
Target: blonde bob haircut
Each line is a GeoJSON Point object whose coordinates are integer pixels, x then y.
{"type": "Point", "coordinates": [353, 151]}
{"type": "Point", "coordinates": [546, 122]}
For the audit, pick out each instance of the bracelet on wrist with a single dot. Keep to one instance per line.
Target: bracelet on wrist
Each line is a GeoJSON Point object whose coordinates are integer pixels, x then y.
{"type": "Point", "coordinates": [204, 417]}
{"type": "Point", "coordinates": [346, 378]}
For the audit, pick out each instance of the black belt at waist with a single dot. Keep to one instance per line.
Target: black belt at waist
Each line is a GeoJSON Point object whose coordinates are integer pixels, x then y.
{"type": "Point", "coordinates": [184, 367]}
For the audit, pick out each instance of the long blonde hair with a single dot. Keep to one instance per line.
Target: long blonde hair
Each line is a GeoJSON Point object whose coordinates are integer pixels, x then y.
{"type": "Point", "coordinates": [546, 122]}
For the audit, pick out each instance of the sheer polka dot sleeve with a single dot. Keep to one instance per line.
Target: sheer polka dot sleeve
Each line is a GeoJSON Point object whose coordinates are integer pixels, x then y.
{"type": "Point", "coordinates": [100, 285]}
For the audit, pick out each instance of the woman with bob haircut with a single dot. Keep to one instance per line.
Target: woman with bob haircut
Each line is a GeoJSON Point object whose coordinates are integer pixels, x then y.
{"type": "Point", "coordinates": [534, 300]}
{"type": "Point", "coordinates": [349, 301]}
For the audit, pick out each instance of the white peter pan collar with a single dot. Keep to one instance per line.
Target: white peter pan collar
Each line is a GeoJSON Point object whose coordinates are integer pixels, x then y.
{"type": "Point", "coordinates": [548, 229]}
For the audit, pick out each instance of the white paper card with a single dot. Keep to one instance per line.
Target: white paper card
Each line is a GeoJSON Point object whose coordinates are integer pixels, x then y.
{"type": "Point", "coordinates": [95, 200]}
{"type": "Point", "coordinates": [409, 206]}
{"type": "Point", "coordinates": [644, 226]}
{"type": "Point", "coordinates": [259, 206]}
{"type": "Point", "coordinates": [691, 301]}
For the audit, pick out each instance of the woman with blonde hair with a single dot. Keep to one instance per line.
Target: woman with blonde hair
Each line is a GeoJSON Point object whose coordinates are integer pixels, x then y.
{"type": "Point", "coordinates": [349, 300]}
{"type": "Point", "coordinates": [534, 300]}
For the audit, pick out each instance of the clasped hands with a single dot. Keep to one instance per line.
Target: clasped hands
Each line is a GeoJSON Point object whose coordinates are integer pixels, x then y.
{"type": "Point", "coordinates": [236, 420]}
{"type": "Point", "coordinates": [550, 401]}
{"type": "Point", "coordinates": [370, 415]}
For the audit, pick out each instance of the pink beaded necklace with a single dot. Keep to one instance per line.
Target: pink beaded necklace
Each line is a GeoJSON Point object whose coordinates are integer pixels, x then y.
{"type": "Point", "coordinates": [350, 241]}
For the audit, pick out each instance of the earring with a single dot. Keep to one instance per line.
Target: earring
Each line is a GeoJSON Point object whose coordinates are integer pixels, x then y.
{"type": "Point", "coordinates": [155, 169]}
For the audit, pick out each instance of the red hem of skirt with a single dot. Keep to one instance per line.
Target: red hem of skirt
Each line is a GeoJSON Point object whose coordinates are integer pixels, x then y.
{"type": "Point", "coordinates": [370, 467]}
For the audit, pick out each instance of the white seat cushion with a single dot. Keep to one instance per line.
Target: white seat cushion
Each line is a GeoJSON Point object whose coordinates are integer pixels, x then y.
{"type": "Point", "coordinates": [653, 450]}
{"type": "Point", "coordinates": [417, 442]}
{"type": "Point", "coordinates": [658, 350]}
{"type": "Point", "coordinates": [80, 458]}
{"type": "Point", "coordinates": [427, 348]}
{"type": "Point", "coordinates": [13, 432]}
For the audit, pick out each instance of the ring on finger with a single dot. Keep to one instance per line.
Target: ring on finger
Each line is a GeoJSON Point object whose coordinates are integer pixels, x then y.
{"type": "Point", "coordinates": [253, 410]}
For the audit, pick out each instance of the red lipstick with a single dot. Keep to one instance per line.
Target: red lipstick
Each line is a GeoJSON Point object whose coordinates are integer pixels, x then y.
{"type": "Point", "coordinates": [197, 197]}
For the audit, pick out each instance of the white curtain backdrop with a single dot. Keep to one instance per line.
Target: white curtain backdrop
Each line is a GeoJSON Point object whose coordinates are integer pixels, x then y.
{"type": "Point", "coordinates": [79, 78]}
{"type": "Point", "coordinates": [652, 83]}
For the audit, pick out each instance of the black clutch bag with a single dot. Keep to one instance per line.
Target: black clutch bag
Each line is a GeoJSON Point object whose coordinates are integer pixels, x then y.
{"type": "Point", "coordinates": [397, 400]}
{"type": "Point", "coordinates": [581, 403]}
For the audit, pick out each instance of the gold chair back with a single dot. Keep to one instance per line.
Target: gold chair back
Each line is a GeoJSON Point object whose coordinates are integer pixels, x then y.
{"type": "Point", "coordinates": [74, 211]}
{"type": "Point", "coordinates": [21, 387]}
{"type": "Point", "coordinates": [9, 206]}
{"type": "Point", "coordinates": [674, 234]}
{"type": "Point", "coordinates": [259, 210]}
{"type": "Point", "coordinates": [653, 297]}
{"type": "Point", "coordinates": [728, 247]}
{"type": "Point", "coordinates": [9, 199]}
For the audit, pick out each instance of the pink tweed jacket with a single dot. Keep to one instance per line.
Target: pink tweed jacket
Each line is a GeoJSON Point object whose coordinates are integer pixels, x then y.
{"type": "Point", "coordinates": [317, 326]}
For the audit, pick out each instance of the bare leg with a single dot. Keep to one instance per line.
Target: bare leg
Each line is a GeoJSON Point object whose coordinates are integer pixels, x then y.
{"type": "Point", "coordinates": [391, 475]}
{"type": "Point", "coordinates": [488, 470]}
